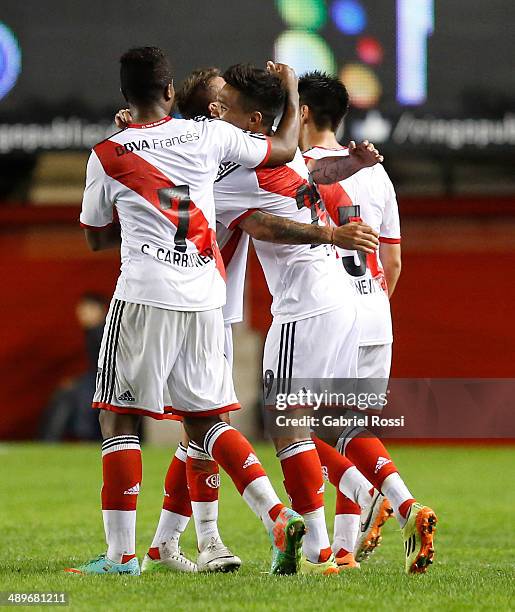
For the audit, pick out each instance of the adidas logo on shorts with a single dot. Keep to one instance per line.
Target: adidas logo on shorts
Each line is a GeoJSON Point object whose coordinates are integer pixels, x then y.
{"type": "Point", "coordinates": [250, 460]}
{"type": "Point", "coordinates": [126, 396]}
{"type": "Point", "coordinates": [381, 462]}
{"type": "Point", "coordinates": [133, 490]}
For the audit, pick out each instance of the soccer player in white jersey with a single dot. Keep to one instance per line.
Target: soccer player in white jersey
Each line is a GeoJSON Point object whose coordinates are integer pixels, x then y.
{"type": "Point", "coordinates": [162, 349]}
{"type": "Point", "coordinates": [324, 102]}
{"type": "Point", "coordinates": [307, 289]}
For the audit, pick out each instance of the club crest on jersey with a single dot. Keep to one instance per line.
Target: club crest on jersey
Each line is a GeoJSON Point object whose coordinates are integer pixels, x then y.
{"type": "Point", "coordinates": [213, 481]}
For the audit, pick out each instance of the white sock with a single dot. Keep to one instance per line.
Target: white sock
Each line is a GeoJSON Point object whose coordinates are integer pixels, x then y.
{"type": "Point", "coordinates": [397, 492]}
{"type": "Point", "coordinates": [346, 531]}
{"type": "Point", "coordinates": [261, 498]}
{"type": "Point", "coordinates": [316, 538]}
{"type": "Point", "coordinates": [169, 529]}
{"type": "Point", "coordinates": [120, 530]}
{"type": "Point", "coordinates": [205, 515]}
{"type": "Point", "coordinates": [356, 487]}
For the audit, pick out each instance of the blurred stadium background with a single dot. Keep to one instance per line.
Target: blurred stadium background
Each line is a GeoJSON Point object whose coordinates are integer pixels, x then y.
{"type": "Point", "coordinates": [431, 84]}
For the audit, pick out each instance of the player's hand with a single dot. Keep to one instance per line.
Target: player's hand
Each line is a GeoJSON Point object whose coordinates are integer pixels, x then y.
{"type": "Point", "coordinates": [122, 118]}
{"type": "Point", "coordinates": [364, 153]}
{"type": "Point", "coordinates": [285, 73]}
{"type": "Point", "coordinates": [356, 236]}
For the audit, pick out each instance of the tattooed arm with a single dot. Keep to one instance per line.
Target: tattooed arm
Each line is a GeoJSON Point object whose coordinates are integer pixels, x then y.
{"type": "Point", "coordinates": [270, 228]}
{"type": "Point", "coordinates": [333, 169]}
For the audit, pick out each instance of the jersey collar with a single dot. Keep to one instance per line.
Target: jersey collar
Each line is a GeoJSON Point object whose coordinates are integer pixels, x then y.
{"type": "Point", "coordinates": [142, 126]}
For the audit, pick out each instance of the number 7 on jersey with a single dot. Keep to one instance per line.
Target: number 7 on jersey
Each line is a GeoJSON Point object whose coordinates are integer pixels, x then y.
{"type": "Point", "coordinates": [177, 198]}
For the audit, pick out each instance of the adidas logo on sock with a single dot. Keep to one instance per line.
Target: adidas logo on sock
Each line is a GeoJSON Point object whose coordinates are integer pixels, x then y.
{"type": "Point", "coordinates": [126, 396]}
{"type": "Point", "coordinates": [250, 460]}
{"type": "Point", "coordinates": [381, 462]}
{"type": "Point", "coordinates": [133, 490]}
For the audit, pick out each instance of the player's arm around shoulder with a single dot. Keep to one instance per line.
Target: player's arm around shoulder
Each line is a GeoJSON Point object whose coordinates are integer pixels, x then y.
{"type": "Point", "coordinates": [97, 214]}
{"type": "Point", "coordinates": [333, 169]}
{"type": "Point", "coordinates": [280, 230]}
{"type": "Point", "coordinates": [271, 228]}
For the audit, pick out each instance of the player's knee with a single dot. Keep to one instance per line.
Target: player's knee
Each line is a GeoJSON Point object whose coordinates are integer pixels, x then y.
{"type": "Point", "coordinates": [282, 443]}
{"type": "Point", "coordinates": [197, 427]}
{"type": "Point", "coordinates": [114, 424]}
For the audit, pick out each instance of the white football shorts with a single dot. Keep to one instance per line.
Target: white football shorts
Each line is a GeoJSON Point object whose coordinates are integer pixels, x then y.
{"type": "Point", "coordinates": [228, 344]}
{"type": "Point", "coordinates": [161, 363]}
{"type": "Point", "coordinates": [375, 361]}
{"type": "Point", "coordinates": [324, 346]}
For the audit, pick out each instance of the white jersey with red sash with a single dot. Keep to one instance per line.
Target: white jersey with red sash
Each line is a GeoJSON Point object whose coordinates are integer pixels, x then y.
{"type": "Point", "coordinates": [159, 178]}
{"type": "Point", "coordinates": [369, 195]}
{"type": "Point", "coordinates": [304, 280]}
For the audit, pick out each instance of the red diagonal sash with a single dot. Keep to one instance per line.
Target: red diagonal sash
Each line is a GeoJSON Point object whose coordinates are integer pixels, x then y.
{"type": "Point", "coordinates": [146, 180]}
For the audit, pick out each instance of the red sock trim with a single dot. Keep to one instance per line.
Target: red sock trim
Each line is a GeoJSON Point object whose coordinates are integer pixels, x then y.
{"type": "Point", "coordinates": [303, 481]}
{"type": "Point", "coordinates": [121, 479]}
{"type": "Point", "coordinates": [177, 496]}
{"type": "Point", "coordinates": [234, 453]}
{"type": "Point", "coordinates": [335, 463]}
{"type": "Point", "coordinates": [405, 506]}
{"type": "Point", "coordinates": [371, 458]}
{"type": "Point", "coordinates": [325, 553]}
{"type": "Point", "coordinates": [344, 505]}
{"type": "Point", "coordinates": [203, 479]}
{"type": "Point", "coordinates": [341, 553]}
{"type": "Point", "coordinates": [274, 512]}
{"type": "Point", "coordinates": [126, 558]}
{"type": "Point", "coordinates": [153, 553]}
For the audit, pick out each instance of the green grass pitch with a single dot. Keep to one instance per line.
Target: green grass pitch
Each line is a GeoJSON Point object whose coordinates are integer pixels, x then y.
{"type": "Point", "coordinates": [50, 519]}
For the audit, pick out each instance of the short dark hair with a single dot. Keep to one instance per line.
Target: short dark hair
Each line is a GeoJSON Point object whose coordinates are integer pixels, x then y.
{"type": "Point", "coordinates": [259, 90]}
{"type": "Point", "coordinates": [144, 74]}
{"type": "Point", "coordinates": [326, 96]}
{"type": "Point", "coordinates": [196, 93]}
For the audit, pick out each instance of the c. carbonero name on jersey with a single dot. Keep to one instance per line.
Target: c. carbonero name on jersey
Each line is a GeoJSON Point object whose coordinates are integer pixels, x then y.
{"type": "Point", "coordinates": [185, 260]}
{"type": "Point", "coordinates": [155, 143]}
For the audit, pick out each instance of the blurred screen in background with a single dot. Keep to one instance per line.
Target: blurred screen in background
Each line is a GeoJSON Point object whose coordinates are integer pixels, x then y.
{"type": "Point", "coordinates": [430, 81]}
